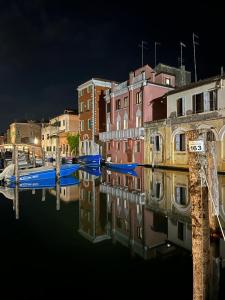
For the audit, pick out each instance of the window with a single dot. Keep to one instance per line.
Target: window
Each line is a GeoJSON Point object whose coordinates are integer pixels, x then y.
{"type": "Point", "coordinates": [108, 146]}
{"type": "Point", "coordinates": [125, 101]}
{"type": "Point", "coordinates": [157, 143]}
{"type": "Point", "coordinates": [180, 142]}
{"type": "Point", "coordinates": [89, 104]}
{"type": "Point", "coordinates": [118, 123]}
{"type": "Point", "coordinates": [168, 81]}
{"type": "Point", "coordinates": [53, 147]}
{"type": "Point", "coordinates": [118, 146]}
{"type": "Point", "coordinates": [138, 146]}
{"type": "Point", "coordinates": [48, 136]}
{"type": "Point", "coordinates": [180, 107]}
{"type": "Point", "coordinates": [138, 121]}
{"type": "Point", "coordinates": [157, 190]}
{"type": "Point", "coordinates": [82, 125]}
{"type": "Point", "coordinates": [118, 104]}
{"type": "Point", "coordinates": [89, 89]}
{"type": "Point", "coordinates": [198, 103]}
{"type": "Point", "coordinates": [81, 106]}
{"type": "Point", "coordinates": [181, 231]}
{"type": "Point", "coordinates": [125, 146]}
{"type": "Point", "coordinates": [181, 195]}
{"type": "Point", "coordinates": [64, 122]}
{"type": "Point", "coordinates": [89, 122]}
{"type": "Point", "coordinates": [108, 107]}
{"type": "Point", "coordinates": [213, 100]}
{"type": "Point", "coordinates": [108, 124]}
{"type": "Point", "coordinates": [139, 232]}
{"type": "Point", "coordinates": [138, 97]}
{"type": "Point", "coordinates": [125, 123]}
{"type": "Point", "coordinates": [42, 137]}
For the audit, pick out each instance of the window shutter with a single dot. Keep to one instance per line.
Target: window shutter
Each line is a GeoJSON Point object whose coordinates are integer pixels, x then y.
{"type": "Point", "coordinates": [177, 142]}
{"type": "Point", "coordinates": [206, 101]}
{"type": "Point", "coordinates": [178, 194]}
{"type": "Point", "coordinates": [183, 146]}
{"type": "Point", "coordinates": [183, 106]}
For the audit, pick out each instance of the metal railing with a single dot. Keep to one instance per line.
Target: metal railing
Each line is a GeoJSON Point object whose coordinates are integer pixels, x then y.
{"type": "Point", "coordinates": [120, 192]}
{"type": "Point", "coordinates": [122, 134]}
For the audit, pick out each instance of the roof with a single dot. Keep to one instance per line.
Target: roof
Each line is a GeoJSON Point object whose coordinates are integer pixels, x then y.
{"type": "Point", "coordinates": [196, 84]}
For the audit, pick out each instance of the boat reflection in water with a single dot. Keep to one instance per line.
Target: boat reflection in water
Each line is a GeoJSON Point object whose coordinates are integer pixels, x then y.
{"type": "Point", "coordinates": [66, 189]}
{"type": "Point", "coordinates": [150, 213]}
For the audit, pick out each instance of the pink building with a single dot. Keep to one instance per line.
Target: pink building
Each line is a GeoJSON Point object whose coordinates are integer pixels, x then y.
{"type": "Point", "coordinates": [128, 106]}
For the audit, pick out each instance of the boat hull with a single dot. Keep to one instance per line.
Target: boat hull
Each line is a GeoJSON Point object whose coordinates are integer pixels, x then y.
{"type": "Point", "coordinates": [48, 174]}
{"type": "Point", "coordinates": [90, 160]}
{"type": "Point", "coordinates": [47, 183]}
{"type": "Point", "coordinates": [115, 166]}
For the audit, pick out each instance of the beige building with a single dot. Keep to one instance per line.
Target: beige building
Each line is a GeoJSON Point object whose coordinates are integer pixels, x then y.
{"type": "Point", "coordinates": [199, 105]}
{"type": "Point", "coordinates": [54, 134]}
{"type": "Point", "coordinates": [25, 133]}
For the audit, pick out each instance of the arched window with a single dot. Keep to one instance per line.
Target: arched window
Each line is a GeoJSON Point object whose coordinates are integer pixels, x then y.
{"type": "Point", "coordinates": [125, 121]}
{"type": "Point", "coordinates": [108, 124]}
{"type": "Point", "coordinates": [138, 118]}
{"type": "Point", "coordinates": [118, 122]}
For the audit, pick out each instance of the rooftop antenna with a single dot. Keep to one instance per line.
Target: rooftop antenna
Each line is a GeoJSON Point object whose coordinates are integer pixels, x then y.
{"type": "Point", "coordinates": [181, 53]}
{"type": "Point", "coordinates": [195, 42]}
{"type": "Point", "coordinates": [156, 43]}
{"type": "Point", "coordinates": [143, 43]}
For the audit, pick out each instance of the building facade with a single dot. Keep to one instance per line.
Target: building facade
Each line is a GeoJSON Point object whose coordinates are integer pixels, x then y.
{"type": "Point", "coordinates": [92, 114]}
{"type": "Point", "coordinates": [200, 105]}
{"type": "Point", "coordinates": [128, 107]}
{"type": "Point", "coordinates": [54, 134]}
{"type": "Point", "coordinates": [25, 133]}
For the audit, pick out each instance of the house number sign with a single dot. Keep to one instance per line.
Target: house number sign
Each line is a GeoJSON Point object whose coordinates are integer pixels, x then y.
{"type": "Point", "coordinates": [196, 146]}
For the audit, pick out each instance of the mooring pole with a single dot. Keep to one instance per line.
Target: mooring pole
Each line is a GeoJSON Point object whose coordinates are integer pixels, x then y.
{"type": "Point", "coordinates": [17, 202]}
{"type": "Point", "coordinates": [16, 162]}
{"type": "Point", "coordinates": [33, 158]}
{"type": "Point", "coordinates": [57, 196]}
{"type": "Point", "coordinates": [58, 162]}
{"type": "Point", "coordinates": [200, 213]}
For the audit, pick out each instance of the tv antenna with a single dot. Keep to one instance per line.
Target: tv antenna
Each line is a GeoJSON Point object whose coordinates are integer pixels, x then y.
{"type": "Point", "coordinates": [142, 45]}
{"type": "Point", "coordinates": [194, 37]}
{"type": "Point", "coordinates": [181, 53]}
{"type": "Point", "coordinates": [156, 43]}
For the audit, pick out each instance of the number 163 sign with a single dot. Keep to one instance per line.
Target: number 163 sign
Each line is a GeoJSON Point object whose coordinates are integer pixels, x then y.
{"type": "Point", "coordinates": [196, 146]}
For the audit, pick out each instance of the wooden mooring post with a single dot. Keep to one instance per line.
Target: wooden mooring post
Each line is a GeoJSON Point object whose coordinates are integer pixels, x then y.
{"type": "Point", "coordinates": [58, 162]}
{"type": "Point", "coordinates": [198, 165]}
{"type": "Point", "coordinates": [16, 162]}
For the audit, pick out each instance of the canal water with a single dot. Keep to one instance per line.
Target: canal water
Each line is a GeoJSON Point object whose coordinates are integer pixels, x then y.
{"type": "Point", "coordinates": [109, 235]}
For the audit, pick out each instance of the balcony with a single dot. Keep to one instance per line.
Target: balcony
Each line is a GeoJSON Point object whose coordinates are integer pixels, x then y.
{"type": "Point", "coordinates": [130, 133]}
{"type": "Point", "coordinates": [139, 78]}
{"type": "Point", "coordinates": [122, 193]}
{"type": "Point", "coordinates": [120, 87]}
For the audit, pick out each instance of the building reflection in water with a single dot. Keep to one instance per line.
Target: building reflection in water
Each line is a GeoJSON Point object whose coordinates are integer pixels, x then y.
{"type": "Point", "coordinates": [150, 213]}
{"type": "Point", "coordinates": [93, 218]}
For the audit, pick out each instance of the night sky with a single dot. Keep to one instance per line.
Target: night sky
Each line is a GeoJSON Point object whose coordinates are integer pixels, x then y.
{"type": "Point", "coordinates": [48, 48]}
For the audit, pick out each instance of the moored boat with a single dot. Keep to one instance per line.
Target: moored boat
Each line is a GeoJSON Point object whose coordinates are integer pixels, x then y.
{"type": "Point", "coordinates": [44, 173]}
{"type": "Point", "coordinates": [128, 166]}
{"type": "Point", "coordinates": [96, 171]}
{"type": "Point", "coordinates": [90, 160]}
{"type": "Point", "coordinates": [46, 183]}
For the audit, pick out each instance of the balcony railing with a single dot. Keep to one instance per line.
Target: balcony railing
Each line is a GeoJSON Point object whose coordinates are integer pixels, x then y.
{"type": "Point", "coordinates": [120, 192]}
{"type": "Point", "coordinates": [138, 78]}
{"type": "Point", "coordinates": [120, 86]}
{"type": "Point", "coordinates": [130, 133]}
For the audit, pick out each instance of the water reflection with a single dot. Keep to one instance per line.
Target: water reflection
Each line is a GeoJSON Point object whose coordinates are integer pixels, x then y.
{"type": "Point", "coordinates": [148, 211]}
